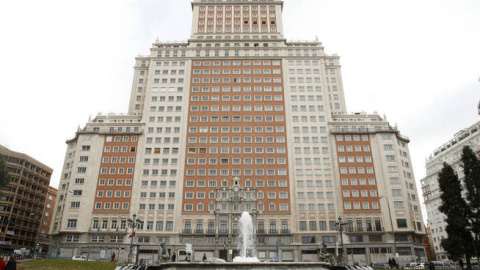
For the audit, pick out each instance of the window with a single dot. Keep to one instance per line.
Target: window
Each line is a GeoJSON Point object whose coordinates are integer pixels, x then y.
{"type": "Point", "coordinates": [398, 204]}
{"type": "Point", "coordinates": [402, 223]}
{"type": "Point", "coordinates": [328, 239]}
{"type": "Point", "coordinates": [72, 238]}
{"type": "Point", "coordinates": [303, 225]}
{"type": "Point", "coordinates": [72, 223]}
{"type": "Point", "coordinates": [74, 205]}
{"type": "Point", "coordinates": [308, 239]}
{"type": "Point", "coordinates": [396, 192]}
{"type": "Point", "coordinates": [79, 181]}
{"type": "Point", "coordinates": [98, 238]}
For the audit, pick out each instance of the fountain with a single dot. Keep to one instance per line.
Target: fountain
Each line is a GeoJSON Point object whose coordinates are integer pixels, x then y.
{"type": "Point", "coordinates": [247, 240]}
{"type": "Point", "coordinates": [247, 258]}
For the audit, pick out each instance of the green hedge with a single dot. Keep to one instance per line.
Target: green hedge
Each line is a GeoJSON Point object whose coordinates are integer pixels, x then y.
{"type": "Point", "coordinates": [54, 264]}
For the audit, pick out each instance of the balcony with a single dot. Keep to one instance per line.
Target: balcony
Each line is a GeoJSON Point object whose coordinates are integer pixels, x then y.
{"type": "Point", "coordinates": [196, 231]}
{"type": "Point", "coordinates": [187, 231]}
{"type": "Point", "coordinates": [365, 230]}
{"type": "Point", "coordinates": [273, 231]}
{"type": "Point", "coordinates": [367, 130]}
{"type": "Point", "coordinates": [223, 231]}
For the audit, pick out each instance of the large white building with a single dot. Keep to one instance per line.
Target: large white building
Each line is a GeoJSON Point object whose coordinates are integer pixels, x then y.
{"type": "Point", "coordinates": [238, 119]}
{"type": "Point", "coordinates": [451, 153]}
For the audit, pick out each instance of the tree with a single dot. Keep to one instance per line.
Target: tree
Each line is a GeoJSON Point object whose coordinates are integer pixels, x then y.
{"type": "Point", "coordinates": [459, 240]}
{"type": "Point", "coordinates": [471, 170]}
{"type": "Point", "coordinates": [5, 177]}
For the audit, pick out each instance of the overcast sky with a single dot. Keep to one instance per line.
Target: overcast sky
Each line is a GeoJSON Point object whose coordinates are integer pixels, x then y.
{"type": "Point", "coordinates": [415, 61]}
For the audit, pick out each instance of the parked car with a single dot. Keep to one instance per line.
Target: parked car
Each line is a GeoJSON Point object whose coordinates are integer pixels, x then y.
{"type": "Point", "coordinates": [376, 265]}
{"type": "Point", "coordinates": [358, 267]}
{"type": "Point", "coordinates": [443, 265]}
{"type": "Point", "coordinates": [214, 259]}
{"type": "Point", "coordinates": [79, 258]}
{"type": "Point", "coordinates": [414, 265]}
{"type": "Point", "coordinates": [368, 267]}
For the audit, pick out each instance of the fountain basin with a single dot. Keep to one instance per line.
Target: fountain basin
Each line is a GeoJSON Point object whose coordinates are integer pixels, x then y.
{"type": "Point", "coordinates": [243, 266]}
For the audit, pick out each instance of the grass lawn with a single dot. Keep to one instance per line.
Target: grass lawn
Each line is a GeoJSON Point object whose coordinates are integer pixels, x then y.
{"type": "Point", "coordinates": [52, 264]}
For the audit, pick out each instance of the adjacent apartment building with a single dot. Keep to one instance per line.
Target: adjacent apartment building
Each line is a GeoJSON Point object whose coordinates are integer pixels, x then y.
{"type": "Point", "coordinates": [238, 119]}
{"type": "Point", "coordinates": [43, 242]}
{"type": "Point", "coordinates": [22, 202]}
{"type": "Point", "coordinates": [451, 153]}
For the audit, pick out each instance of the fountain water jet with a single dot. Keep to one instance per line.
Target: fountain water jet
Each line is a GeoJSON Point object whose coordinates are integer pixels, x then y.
{"type": "Point", "coordinates": [247, 258]}
{"type": "Point", "coordinates": [247, 240]}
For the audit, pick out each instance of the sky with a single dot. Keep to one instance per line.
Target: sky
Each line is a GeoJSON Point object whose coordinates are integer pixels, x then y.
{"type": "Point", "coordinates": [415, 61]}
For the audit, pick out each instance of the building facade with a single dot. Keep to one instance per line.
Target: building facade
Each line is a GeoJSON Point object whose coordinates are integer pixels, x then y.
{"type": "Point", "coordinates": [451, 153]}
{"type": "Point", "coordinates": [429, 248]}
{"type": "Point", "coordinates": [377, 188]}
{"type": "Point", "coordinates": [43, 241]}
{"type": "Point", "coordinates": [22, 201]}
{"type": "Point", "coordinates": [237, 119]}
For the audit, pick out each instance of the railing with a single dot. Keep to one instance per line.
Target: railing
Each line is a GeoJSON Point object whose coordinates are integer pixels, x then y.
{"type": "Point", "coordinates": [459, 136]}
{"type": "Point", "coordinates": [234, 231]}
{"type": "Point", "coordinates": [373, 229]}
{"type": "Point", "coordinates": [361, 130]}
{"type": "Point", "coordinates": [199, 231]}
{"type": "Point", "coordinates": [187, 231]}
{"type": "Point", "coordinates": [109, 131]}
{"type": "Point", "coordinates": [274, 231]}
{"type": "Point", "coordinates": [223, 231]}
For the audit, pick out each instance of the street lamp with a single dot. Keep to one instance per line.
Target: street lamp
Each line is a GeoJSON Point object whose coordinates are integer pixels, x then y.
{"type": "Point", "coordinates": [391, 223]}
{"type": "Point", "coordinates": [134, 223]}
{"type": "Point", "coordinates": [36, 248]}
{"type": "Point", "coordinates": [339, 225]}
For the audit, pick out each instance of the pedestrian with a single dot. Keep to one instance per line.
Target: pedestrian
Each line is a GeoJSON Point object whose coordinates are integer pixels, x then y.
{"type": "Point", "coordinates": [394, 263]}
{"type": "Point", "coordinates": [204, 257]}
{"type": "Point", "coordinates": [390, 262]}
{"type": "Point", "coordinates": [113, 257]}
{"type": "Point", "coordinates": [431, 266]}
{"type": "Point", "coordinates": [186, 258]}
{"type": "Point", "coordinates": [12, 264]}
{"type": "Point", "coordinates": [174, 257]}
{"type": "Point", "coordinates": [2, 263]}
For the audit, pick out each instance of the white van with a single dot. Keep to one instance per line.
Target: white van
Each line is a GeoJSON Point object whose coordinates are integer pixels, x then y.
{"type": "Point", "coordinates": [443, 265]}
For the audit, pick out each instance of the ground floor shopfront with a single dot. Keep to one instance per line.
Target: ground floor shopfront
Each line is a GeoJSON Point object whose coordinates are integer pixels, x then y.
{"type": "Point", "coordinates": [149, 253]}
